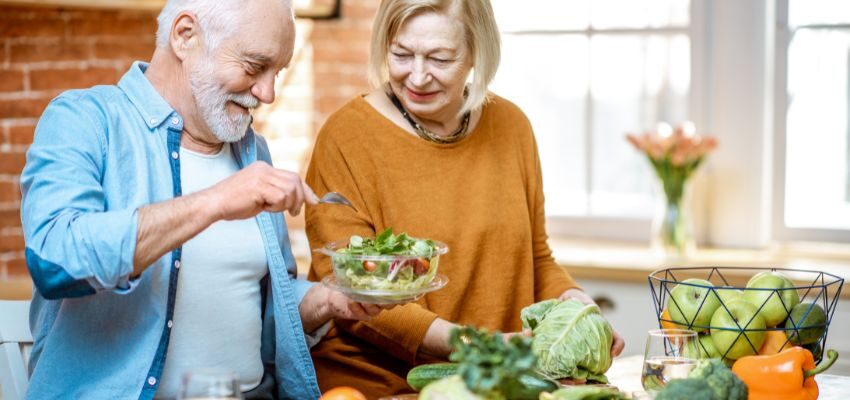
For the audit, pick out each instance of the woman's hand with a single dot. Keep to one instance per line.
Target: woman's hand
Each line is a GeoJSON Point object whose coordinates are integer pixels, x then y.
{"type": "Point", "coordinates": [618, 344]}
{"type": "Point", "coordinates": [508, 335]}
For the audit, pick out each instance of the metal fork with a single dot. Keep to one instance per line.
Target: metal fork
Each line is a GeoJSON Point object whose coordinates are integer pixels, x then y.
{"type": "Point", "coordinates": [336, 198]}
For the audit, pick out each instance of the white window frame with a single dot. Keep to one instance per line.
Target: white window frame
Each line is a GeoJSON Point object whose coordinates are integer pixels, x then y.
{"type": "Point", "coordinates": [780, 230]}
{"type": "Point", "coordinates": [732, 98]}
{"type": "Point", "coordinates": [635, 228]}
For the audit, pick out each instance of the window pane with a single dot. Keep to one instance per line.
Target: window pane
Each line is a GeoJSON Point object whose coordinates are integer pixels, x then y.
{"type": "Point", "coordinates": [639, 14]}
{"type": "Point", "coordinates": [513, 15]}
{"type": "Point", "coordinates": [804, 12]}
{"type": "Point", "coordinates": [654, 88]}
{"type": "Point", "coordinates": [547, 76]}
{"type": "Point", "coordinates": [816, 180]}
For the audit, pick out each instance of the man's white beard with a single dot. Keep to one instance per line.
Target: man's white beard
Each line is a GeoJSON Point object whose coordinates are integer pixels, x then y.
{"type": "Point", "coordinates": [212, 100]}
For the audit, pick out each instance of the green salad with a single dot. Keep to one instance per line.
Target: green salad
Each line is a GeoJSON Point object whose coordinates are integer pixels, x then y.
{"type": "Point", "coordinates": [388, 262]}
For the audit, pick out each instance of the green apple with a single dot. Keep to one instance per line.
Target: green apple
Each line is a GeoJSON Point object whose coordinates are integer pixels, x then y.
{"type": "Point", "coordinates": [703, 348]}
{"type": "Point", "coordinates": [778, 302]}
{"type": "Point", "coordinates": [733, 325]}
{"type": "Point", "coordinates": [728, 293]}
{"type": "Point", "coordinates": [804, 317]}
{"type": "Point", "coordinates": [693, 303]}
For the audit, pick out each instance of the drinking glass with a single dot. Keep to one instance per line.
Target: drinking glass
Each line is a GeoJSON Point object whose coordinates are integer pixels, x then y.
{"type": "Point", "coordinates": [670, 354]}
{"type": "Point", "coordinates": [209, 384]}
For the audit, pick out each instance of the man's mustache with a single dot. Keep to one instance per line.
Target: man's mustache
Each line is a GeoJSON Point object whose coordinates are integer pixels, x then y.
{"type": "Point", "coordinates": [245, 100]}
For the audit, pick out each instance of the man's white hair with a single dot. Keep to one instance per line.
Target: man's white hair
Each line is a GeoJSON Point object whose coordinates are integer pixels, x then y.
{"type": "Point", "coordinates": [218, 19]}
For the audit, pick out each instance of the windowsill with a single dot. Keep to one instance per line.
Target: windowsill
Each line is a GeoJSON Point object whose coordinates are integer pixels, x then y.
{"type": "Point", "coordinates": [633, 261]}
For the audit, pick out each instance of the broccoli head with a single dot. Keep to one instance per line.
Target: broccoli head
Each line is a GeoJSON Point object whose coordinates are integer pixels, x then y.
{"type": "Point", "coordinates": [686, 389]}
{"type": "Point", "coordinates": [725, 384]}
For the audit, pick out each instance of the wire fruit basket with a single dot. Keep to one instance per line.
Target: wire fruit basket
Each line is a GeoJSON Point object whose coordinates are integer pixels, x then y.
{"type": "Point", "coordinates": [778, 308]}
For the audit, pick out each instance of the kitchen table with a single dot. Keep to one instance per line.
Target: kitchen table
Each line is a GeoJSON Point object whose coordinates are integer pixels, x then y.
{"type": "Point", "coordinates": [625, 375]}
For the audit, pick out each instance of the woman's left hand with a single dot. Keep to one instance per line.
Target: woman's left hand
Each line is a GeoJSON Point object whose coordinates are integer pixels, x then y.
{"type": "Point", "coordinates": [618, 344]}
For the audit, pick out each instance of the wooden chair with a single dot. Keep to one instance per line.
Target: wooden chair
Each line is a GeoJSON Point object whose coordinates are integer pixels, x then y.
{"type": "Point", "coordinates": [15, 346]}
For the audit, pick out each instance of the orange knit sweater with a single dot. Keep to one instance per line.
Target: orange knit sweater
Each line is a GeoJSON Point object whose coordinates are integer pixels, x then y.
{"type": "Point", "coordinates": [482, 196]}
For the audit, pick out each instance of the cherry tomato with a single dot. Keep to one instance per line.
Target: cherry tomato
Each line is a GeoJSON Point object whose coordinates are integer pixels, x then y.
{"type": "Point", "coordinates": [421, 266]}
{"type": "Point", "coordinates": [370, 266]}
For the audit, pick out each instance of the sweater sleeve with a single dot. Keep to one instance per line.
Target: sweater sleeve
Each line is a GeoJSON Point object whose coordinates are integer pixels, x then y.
{"type": "Point", "coordinates": [398, 331]}
{"type": "Point", "coordinates": [550, 279]}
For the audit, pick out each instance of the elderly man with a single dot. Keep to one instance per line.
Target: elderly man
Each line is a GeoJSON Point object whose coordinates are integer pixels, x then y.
{"type": "Point", "coordinates": [154, 226]}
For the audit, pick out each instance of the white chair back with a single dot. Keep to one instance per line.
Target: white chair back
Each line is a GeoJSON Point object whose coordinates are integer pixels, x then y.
{"type": "Point", "coordinates": [15, 346]}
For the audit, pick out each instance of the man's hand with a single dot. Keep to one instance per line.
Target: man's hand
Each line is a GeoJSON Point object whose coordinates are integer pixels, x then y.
{"type": "Point", "coordinates": [259, 187]}
{"type": "Point", "coordinates": [618, 344]}
{"type": "Point", "coordinates": [321, 304]}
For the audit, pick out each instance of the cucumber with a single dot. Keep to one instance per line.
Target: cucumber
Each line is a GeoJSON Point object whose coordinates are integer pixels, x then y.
{"type": "Point", "coordinates": [422, 375]}
{"type": "Point", "coordinates": [532, 385]}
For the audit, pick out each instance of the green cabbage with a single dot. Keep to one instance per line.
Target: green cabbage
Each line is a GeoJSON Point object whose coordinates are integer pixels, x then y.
{"type": "Point", "coordinates": [570, 339]}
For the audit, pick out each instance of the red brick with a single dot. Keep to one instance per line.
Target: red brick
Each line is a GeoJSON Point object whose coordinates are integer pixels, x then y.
{"type": "Point", "coordinates": [23, 108]}
{"type": "Point", "coordinates": [21, 134]}
{"type": "Point", "coordinates": [57, 51]}
{"type": "Point", "coordinates": [9, 192]}
{"type": "Point", "coordinates": [336, 35]}
{"type": "Point", "coordinates": [16, 268]}
{"type": "Point", "coordinates": [10, 218]}
{"type": "Point", "coordinates": [113, 26]}
{"type": "Point", "coordinates": [71, 78]}
{"type": "Point", "coordinates": [339, 54]}
{"type": "Point", "coordinates": [127, 51]}
{"type": "Point", "coordinates": [11, 242]}
{"type": "Point", "coordinates": [11, 164]}
{"type": "Point", "coordinates": [11, 81]}
{"type": "Point", "coordinates": [98, 14]}
{"type": "Point", "coordinates": [352, 11]}
{"type": "Point", "coordinates": [32, 27]}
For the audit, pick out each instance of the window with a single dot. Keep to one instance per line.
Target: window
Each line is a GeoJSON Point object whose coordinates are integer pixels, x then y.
{"type": "Point", "coordinates": [586, 72]}
{"type": "Point", "coordinates": [813, 120]}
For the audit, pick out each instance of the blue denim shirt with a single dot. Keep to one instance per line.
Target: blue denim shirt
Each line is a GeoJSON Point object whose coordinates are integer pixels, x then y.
{"type": "Point", "coordinates": [98, 156]}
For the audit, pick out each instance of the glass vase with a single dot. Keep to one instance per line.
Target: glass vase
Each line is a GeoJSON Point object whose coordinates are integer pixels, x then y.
{"type": "Point", "coordinates": [672, 229]}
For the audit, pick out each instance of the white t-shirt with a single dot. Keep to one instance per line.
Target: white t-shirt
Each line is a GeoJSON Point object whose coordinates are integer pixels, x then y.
{"type": "Point", "coordinates": [217, 321]}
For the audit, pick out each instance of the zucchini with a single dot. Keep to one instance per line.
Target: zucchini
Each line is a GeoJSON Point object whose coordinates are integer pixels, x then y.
{"type": "Point", "coordinates": [422, 375]}
{"type": "Point", "coordinates": [532, 385]}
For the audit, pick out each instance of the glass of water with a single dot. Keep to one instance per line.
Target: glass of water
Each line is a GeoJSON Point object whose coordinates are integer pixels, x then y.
{"type": "Point", "coordinates": [670, 354]}
{"type": "Point", "coordinates": [209, 384]}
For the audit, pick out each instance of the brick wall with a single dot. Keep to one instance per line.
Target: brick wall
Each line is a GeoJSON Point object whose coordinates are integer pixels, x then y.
{"type": "Point", "coordinates": [44, 51]}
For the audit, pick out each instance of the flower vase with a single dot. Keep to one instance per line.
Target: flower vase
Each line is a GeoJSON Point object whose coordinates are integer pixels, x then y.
{"type": "Point", "coordinates": [672, 229]}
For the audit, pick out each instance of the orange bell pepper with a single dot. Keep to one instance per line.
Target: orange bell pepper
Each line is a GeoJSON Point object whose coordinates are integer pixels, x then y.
{"type": "Point", "coordinates": [788, 375]}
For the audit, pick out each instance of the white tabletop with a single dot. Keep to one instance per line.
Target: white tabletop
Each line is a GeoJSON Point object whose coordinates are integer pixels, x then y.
{"type": "Point", "coordinates": [625, 375]}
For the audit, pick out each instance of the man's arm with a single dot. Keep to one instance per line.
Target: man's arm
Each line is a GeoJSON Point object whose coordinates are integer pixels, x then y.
{"type": "Point", "coordinates": [259, 187]}
{"type": "Point", "coordinates": [164, 226]}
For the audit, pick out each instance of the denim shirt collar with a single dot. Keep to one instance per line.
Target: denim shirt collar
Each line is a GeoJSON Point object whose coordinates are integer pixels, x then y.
{"type": "Point", "coordinates": [144, 97]}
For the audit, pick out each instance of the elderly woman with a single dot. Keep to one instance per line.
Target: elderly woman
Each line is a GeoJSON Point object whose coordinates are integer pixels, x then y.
{"type": "Point", "coordinates": [429, 154]}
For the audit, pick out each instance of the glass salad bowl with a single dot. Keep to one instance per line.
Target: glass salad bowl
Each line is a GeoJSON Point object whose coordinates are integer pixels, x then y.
{"type": "Point", "coordinates": [386, 269]}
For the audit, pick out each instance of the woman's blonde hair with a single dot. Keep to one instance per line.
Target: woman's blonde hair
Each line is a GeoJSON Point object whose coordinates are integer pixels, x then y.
{"type": "Point", "coordinates": [480, 31]}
